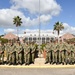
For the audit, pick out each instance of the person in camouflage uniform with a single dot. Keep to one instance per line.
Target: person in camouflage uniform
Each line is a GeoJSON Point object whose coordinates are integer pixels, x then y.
{"type": "Point", "coordinates": [51, 54]}
{"type": "Point", "coordinates": [47, 48]}
{"type": "Point", "coordinates": [71, 55]}
{"type": "Point", "coordinates": [19, 51]}
{"type": "Point", "coordinates": [32, 46]}
{"type": "Point", "coordinates": [64, 53]}
{"type": "Point", "coordinates": [57, 54]}
{"type": "Point", "coordinates": [20, 54]}
{"type": "Point", "coordinates": [27, 54]}
{"type": "Point", "coordinates": [12, 54]}
{"type": "Point", "coordinates": [7, 50]}
{"type": "Point", "coordinates": [24, 48]}
{"type": "Point", "coordinates": [1, 54]}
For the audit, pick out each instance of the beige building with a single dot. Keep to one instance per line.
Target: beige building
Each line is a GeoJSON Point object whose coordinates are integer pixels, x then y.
{"type": "Point", "coordinates": [10, 36]}
{"type": "Point", "coordinates": [34, 37]}
{"type": "Point", "coordinates": [67, 36]}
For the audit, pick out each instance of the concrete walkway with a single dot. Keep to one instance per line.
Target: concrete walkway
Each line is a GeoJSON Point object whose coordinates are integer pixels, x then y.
{"type": "Point", "coordinates": [39, 63]}
{"type": "Point", "coordinates": [37, 71]}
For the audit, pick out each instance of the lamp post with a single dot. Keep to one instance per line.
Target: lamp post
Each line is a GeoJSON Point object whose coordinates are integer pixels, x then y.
{"type": "Point", "coordinates": [39, 40]}
{"type": "Point", "coordinates": [39, 22]}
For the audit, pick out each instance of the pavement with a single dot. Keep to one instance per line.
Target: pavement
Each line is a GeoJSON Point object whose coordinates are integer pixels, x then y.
{"type": "Point", "coordinates": [36, 71]}
{"type": "Point", "coordinates": [38, 68]}
{"type": "Point", "coordinates": [39, 63]}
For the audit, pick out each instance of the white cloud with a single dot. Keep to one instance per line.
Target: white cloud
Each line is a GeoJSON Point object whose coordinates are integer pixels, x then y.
{"type": "Point", "coordinates": [27, 31]}
{"type": "Point", "coordinates": [6, 18]}
{"type": "Point", "coordinates": [9, 30]}
{"type": "Point", "coordinates": [37, 30]}
{"type": "Point", "coordinates": [46, 6]}
{"type": "Point", "coordinates": [68, 29]}
{"type": "Point", "coordinates": [66, 25]}
{"type": "Point", "coordinates": [44, 19]}
{"type": "Point", "coordinates": [48, 9]}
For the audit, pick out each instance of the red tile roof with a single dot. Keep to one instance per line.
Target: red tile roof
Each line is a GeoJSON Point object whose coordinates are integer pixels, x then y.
{"type": "Point", "coordinates": [68, 36]}
{"type": "Point", "coordinates": [10, 36]}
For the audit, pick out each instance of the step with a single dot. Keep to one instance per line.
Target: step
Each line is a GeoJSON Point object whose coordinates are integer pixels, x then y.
{"type": "Point", "coordinates": [39, 61]}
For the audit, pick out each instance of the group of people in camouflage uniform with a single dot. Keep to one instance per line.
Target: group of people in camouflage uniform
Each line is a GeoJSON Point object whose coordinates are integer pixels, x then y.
{"type": "Point", "coordinates": [17, 53]}
{"type": "Point", "coordinates": [60, 53]}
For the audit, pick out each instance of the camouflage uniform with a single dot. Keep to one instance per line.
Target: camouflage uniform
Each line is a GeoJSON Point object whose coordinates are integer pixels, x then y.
{"type": "Point", "coordinates": [32, 53]}
{"type": "Point", "coordinates": [2, 54]}
{"type": "Point", "coordinates": [71, 55]}
{"type": "Point", "coordinates": [18, 50]}
{"type": "Point", "coordinates": [57, 54]}
{"type": "Point", "coordinates": [7, 50]}
{"type": "Point", "coordinates": [27, 55]}
{"type": "Point", "coordinates": [20, 55]}
{"type": "Point", "coordinates": [64, 53]}
{"type": "Point", "coordinates": [51, 53]}
{"type": "Point", "coordinates": [24, 50]}
{"type": "Point", "coordinates": [12, 55]}
{"type": "Point", "coordinates": [47, 48]}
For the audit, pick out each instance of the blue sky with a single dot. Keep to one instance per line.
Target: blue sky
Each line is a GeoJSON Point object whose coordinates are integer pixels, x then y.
{"type": "Point", "coordinates": [61, 10]}
{"type": "Point", "coordinates": [68, 11]}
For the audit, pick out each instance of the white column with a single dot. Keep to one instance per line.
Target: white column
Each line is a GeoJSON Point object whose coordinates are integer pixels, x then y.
{"type": "Point", "coordinates": [45, 39]}
{"type": "Point", "coordinates": [32, 39]}
{"type": "Point", "coordinates": [28, 40]}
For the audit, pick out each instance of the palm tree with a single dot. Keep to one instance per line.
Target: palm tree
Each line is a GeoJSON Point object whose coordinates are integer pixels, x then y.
{"type": "Point", "coordinates": [17, 21]}
{"type": "Point", "coordinates": [58, 27]}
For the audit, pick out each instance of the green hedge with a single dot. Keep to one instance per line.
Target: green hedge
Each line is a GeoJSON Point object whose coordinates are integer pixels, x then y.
{"type": "Point", "coordinates": [2, 40]}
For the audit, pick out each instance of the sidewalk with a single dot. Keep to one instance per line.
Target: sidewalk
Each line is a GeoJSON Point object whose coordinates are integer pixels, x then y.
{"type": "Point", "coordinates": [37, 66]}
{"type": "Point", "coordinates": [39, 63]}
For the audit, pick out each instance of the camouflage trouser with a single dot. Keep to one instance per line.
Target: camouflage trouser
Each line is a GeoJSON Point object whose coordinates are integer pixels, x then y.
{"type": "Point", "coordinates": [51, 56]}
{"type": "Point", "coordinates": [12, 58]}
{"type": "Point", "coordinates": [33, 57]}
{"type": "Point", "coordinates": [7, 56]}
{"type": "Point", "coordinates": [27, 58]}
{"type": "Point", "coordinates": [20, 60]}
{"type": "Point", "coordinates": [47, 57]}
{"type": "Point", "coordinates": [1, 58]}
{"type": "Point", "coordinates": [58, 57]}
{"type": "Point", "coordinates": [65, 58]}
{"type": "Point", "coordinates": [17, 58]}
{"type": "Point", "coordinates": [7, 61]}
{"type": "Point", "coordinates": [71, 56]}
{"type": "Point", "coordinates": [62, 58]}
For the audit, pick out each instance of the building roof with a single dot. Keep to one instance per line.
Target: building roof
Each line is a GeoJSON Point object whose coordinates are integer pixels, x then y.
{"type": "Point", "coordinates": [68, 36]}
{"type": "Point", "coordinates": [10, 36]}
{"type": "Point", "coordinates": [36, 34]}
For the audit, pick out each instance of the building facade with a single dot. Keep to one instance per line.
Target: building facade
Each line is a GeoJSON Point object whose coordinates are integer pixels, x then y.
{"type": "Point", "coordinates": [34, 37]}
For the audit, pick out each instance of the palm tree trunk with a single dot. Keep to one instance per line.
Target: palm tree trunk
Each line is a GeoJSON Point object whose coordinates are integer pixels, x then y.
{"type": "Point", "coordinates": [58, 36]}
{"type": "Point", "coordinates": [17, 31]}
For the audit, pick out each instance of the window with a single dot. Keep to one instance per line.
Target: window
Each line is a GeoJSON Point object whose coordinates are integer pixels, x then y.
{"type": "Point", "coordinates": [39, 38]}
{"type": "Point", "coordinates": [26, 39]}
{"type": "Point", "coordinates": [34, 34]}
{"type": "Point", "coordinates": [43, 34]}
{"type": "Point", "coordinates": [47, 38]}
{"type": "Point", "coordinates": [34, 38]}
{"type": "Point", "coordinates": [30, 39]}
{"type": "Point", "coordinates": [43, 38]}
{"type": "Point", "coordinates": [30, 34]}
{"type": "Point", "coordinates": [47, 34]}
